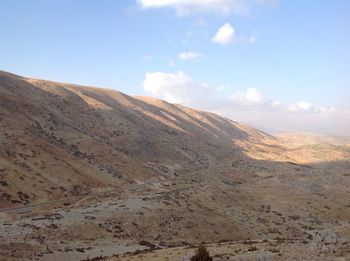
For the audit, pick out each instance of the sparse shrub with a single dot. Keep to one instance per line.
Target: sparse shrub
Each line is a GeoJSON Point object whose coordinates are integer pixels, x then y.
{"type": "Point", "coordinates": [202, 254]}
{"type": "Point", "coordinates": [4, 183]}
{"type": "Point", "coordinates": [146, 243]}
{"type": "Point", "coordinates": [252, 248]}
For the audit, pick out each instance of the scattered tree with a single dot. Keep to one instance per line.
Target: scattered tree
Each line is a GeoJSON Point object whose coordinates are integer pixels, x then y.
{"type": "Point", "coordinates": [202, 254]}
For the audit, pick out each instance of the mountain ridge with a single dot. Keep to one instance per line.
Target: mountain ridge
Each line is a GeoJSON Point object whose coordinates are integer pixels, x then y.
{"type": "Point", "coordinates": [100, 133]}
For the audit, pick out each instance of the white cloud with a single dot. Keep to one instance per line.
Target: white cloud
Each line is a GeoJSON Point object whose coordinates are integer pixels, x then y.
{"type": "Point", "coordinates": [303, 106]}
{"type": "Point", "coordinates": [225, 35]}
{"type": "Point", "coordinates": [186, 7]}
{"type": "Point", "coordinates": [189, 56]}
{"type": "Point", "coordinates": [250, 97]}
{"type": "Point", "coordinates": [300, 106]}
{"type": "Point", "coordinates": [249, 106]}
{"type": "Point", "coordinates": [174, 88]}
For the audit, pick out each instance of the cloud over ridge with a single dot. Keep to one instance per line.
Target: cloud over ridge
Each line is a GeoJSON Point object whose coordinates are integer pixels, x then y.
{"type": "Point", "coordinates": [249, 106]}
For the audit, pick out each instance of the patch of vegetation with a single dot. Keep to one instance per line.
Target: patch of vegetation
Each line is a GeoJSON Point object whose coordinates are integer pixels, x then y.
{"type": "Point", "coordinates": [4, 183]}
{"type": "Point", "coordinates": [202, 254]}
{"type": "Point", "coordinates": [147, 244]}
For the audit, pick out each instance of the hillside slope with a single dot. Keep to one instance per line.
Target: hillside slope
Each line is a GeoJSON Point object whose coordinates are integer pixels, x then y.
{"type": "Point", "coordinates": [61, 139]}
{"type": "Point", "coordinates": [87, 171]}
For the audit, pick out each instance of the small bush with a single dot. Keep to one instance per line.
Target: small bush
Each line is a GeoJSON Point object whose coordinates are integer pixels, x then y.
{"type": "Point", "coordinates": [201, 255]}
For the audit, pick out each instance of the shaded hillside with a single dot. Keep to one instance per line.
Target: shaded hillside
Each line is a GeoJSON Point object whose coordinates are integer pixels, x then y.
{"type": "Point", "coordinates": [61, 139]}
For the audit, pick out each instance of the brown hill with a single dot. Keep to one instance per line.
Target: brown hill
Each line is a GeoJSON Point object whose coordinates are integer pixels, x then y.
{"type": "Point", "coordinates": [62, 139]}
{"type": "Point", "coordinates": [118, 174]}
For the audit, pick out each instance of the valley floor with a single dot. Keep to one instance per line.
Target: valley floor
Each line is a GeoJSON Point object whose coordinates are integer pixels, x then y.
{"type": "Point", "coordinates": [257, 209]}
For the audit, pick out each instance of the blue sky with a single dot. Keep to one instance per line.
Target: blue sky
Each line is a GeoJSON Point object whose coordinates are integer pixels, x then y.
{"type": "Point", "coordinates": [274, 61]}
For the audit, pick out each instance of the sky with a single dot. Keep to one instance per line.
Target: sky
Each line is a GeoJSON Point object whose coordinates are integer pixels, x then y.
{"type": "Point", "coordinates": [281, 66]}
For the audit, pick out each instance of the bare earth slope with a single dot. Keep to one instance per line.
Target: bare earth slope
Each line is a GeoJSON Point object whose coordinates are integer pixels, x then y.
{"type": "Point", "coordinates": [55, 137]}
{"type": "Point", "coordinates": [87, 171]}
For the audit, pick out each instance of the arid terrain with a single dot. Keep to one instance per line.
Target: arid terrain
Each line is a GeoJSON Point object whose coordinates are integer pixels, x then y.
{"type": "Point", "coordinates": [88, 172]}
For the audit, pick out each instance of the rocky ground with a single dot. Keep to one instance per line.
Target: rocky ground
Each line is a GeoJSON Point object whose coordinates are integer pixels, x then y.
{"type": "Point", "coordinates": [288, 215]}
{"type": "Point", "coordinates": [88, 172]}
